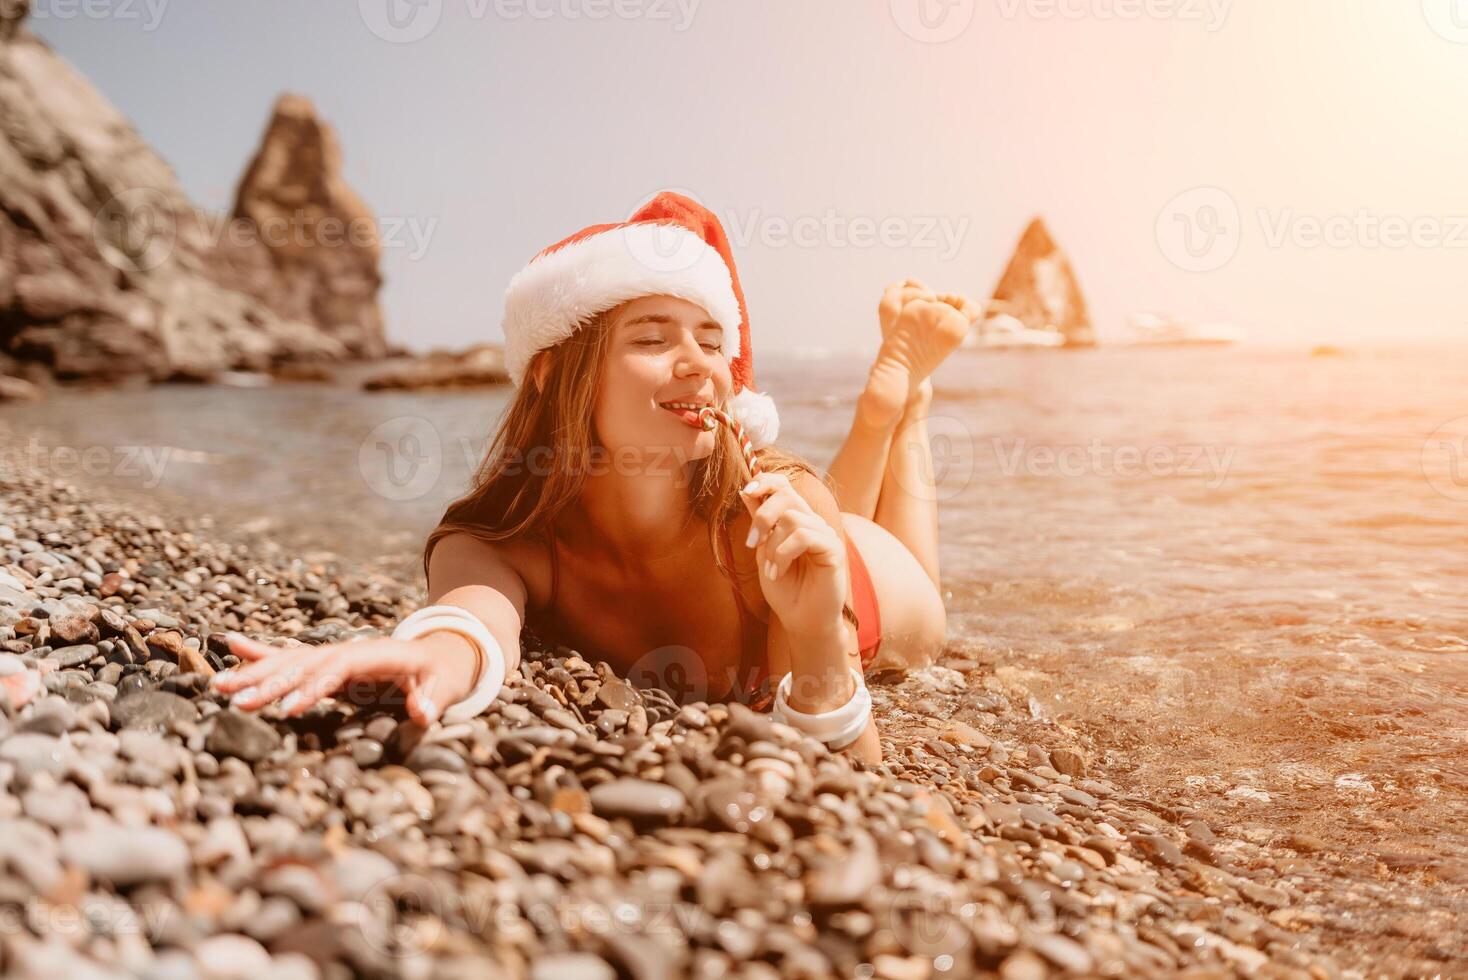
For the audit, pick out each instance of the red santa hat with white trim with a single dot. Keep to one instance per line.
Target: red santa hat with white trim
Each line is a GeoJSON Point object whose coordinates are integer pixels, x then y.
{"type": "Point", "coordinates": [670, 246]}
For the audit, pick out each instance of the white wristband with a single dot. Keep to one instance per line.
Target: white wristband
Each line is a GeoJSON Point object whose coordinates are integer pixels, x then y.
{"type": "Point", "coordinates": [491, 673]}
{"type": "Point", "coordinates": [837, 728]}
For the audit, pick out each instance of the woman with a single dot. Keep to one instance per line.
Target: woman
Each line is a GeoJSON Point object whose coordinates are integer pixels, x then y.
{"type": "Point", "coordinates": [608, 518]}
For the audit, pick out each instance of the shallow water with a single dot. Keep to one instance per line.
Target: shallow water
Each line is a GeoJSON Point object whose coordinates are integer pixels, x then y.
{"type": "Point", "coordinates": [1238, 573]}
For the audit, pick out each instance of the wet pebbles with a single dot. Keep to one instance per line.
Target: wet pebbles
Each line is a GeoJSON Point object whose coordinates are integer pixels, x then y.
{"type": "Point", "coordinates": [581, 828]}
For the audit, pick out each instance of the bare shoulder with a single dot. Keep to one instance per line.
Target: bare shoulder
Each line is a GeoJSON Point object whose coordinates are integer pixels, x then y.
{"type": "Point", "coordinates": [513, 567]}
{"type": "Point", "coordinates": [816, 493]}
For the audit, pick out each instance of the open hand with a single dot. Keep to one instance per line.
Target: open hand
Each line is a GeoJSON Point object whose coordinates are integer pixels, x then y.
{"type": "Point", "coordinates": [298, 677]}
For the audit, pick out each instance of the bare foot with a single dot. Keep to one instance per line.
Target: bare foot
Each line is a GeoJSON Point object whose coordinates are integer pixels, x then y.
{"type": "Point", "coordinates": [926, 332]}
{"type": "Point", "coordinates": [919, 398]}
{"type": "Point", "coordinates": [881, 402]}
{"type": "Point", "coordinates": [895, 297]}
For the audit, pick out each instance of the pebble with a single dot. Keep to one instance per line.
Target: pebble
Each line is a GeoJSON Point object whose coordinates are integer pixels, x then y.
{"type": "Point", "coordinates": [126, 856]}
{"type": "Point", "coordinates": [243, 735]}
{"type": "Point", "coordinates": [36, 752]}
{"type": "Point", "coordinates": [156, 711]}
{"type": "Point", "coordinates": [638, 800]}
{"type": "Point", "coordinates": [572, 966]}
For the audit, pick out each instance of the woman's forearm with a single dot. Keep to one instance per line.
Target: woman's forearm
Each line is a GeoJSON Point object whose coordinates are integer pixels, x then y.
{"type": "Point", "coordinates": [820, 675]}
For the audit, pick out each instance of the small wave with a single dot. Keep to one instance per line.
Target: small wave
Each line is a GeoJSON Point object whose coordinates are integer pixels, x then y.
{"type": "Point", "coordinates": [1400, 520]}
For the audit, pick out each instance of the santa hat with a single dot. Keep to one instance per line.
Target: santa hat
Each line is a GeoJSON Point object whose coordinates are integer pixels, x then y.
{"type": "Point", "coordinates": [671, 246]}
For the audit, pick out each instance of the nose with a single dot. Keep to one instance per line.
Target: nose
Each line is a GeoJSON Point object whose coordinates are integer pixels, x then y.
{"type": "Point", "coordinates": [693, 360]}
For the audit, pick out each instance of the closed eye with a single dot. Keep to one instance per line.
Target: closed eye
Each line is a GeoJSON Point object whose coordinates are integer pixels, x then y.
{"type": "Point", "coordinates": [715, 348]}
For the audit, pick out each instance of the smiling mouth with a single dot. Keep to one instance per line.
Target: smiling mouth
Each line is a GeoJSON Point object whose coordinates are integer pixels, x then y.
{"type": "Point", "coordinates": [687, 411]}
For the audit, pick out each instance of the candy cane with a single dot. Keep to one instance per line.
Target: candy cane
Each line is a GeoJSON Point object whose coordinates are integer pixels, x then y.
{"type": "Point", "coordinates": [711, 417]}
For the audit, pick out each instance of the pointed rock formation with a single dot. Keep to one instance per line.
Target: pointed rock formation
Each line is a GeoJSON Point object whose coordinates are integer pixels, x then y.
{"type": "Point", "coordinates": [107, 270]}
{"type": "Point", "coordinates": [1039, 288]}
{"type": "Point", "coordinates": [321, 238]}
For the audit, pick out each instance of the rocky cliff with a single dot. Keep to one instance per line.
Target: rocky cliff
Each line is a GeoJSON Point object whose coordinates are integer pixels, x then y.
{"type": "Point", "coordinates": [108, 271]}
{"type": "Point", "coordinates": [1040, 288]}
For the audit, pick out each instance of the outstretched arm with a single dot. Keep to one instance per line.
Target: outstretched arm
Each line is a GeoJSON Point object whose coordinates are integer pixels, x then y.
{"type": "Point", "coordinates": [435, 670]}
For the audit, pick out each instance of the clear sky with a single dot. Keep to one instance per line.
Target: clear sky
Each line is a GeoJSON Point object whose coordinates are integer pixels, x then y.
{"type": "Point", "coordinates": [1297, 168]}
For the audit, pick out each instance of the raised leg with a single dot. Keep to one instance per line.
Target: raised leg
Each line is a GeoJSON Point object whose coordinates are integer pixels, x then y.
{"type": "Point", "coordinates": [919, 329]}
{"type": "Point", "coordinates": [908, 504]}
{"type": "Point", "coordinates": [857, 470]}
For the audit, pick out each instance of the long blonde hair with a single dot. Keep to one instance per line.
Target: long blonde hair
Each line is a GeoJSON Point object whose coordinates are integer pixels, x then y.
{"type": "Point", "coordinates": [510, 500]}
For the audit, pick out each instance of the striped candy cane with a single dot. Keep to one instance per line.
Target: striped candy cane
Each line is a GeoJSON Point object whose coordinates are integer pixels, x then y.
{"type": "Point", "coordinates": [711, 417]}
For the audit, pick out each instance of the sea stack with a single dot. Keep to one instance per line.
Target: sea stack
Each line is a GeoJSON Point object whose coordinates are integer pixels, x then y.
{"type": "Point", "coordinates": [321, 239]}
{"type": "Point", "coordinates": [1039, 288]}
{"type": "Point", "coordinates": [109, 272]}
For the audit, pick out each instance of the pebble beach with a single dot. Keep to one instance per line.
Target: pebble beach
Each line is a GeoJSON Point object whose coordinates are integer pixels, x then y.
{"type": "Point", "coordinates": [581, 828]}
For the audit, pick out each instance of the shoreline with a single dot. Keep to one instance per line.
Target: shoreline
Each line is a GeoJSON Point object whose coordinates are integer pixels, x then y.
{"type": "Point", "coordinates": [579, 821]}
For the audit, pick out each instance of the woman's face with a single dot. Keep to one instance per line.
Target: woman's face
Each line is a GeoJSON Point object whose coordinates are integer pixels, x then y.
{"type": "Point", "coordinates": [661, 349]}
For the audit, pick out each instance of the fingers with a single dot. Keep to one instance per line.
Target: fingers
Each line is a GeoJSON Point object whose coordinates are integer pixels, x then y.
{"type": "Point", "coordinates": [238, 678]}
{"type": "Point", "coordinates": [785, 524]}
{"type": "Point", "coordinates": [321, 681]}
{"type": "Point", "coordinates": [282, 677]}
{"type": "Point", "coordinates": [327, 667]}
{"type": "Point", "coordinates": [422, 707]}
{"type": "Point", "coordinates": [388, 659]}
{"type": "Point", "coordinates": [820, 545]}
{"type": "Point", "coordinates": [768, 496]}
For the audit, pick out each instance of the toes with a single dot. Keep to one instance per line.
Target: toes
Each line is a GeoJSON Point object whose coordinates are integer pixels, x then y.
{"type": "Point", "coordinates": [889, 307]}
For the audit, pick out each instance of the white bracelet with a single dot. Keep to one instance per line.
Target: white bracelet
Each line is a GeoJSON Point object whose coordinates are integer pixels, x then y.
{"type": "Point", "coordinates": [837, 728]}
{"type": "Point", "coordinates": [491, 672]}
